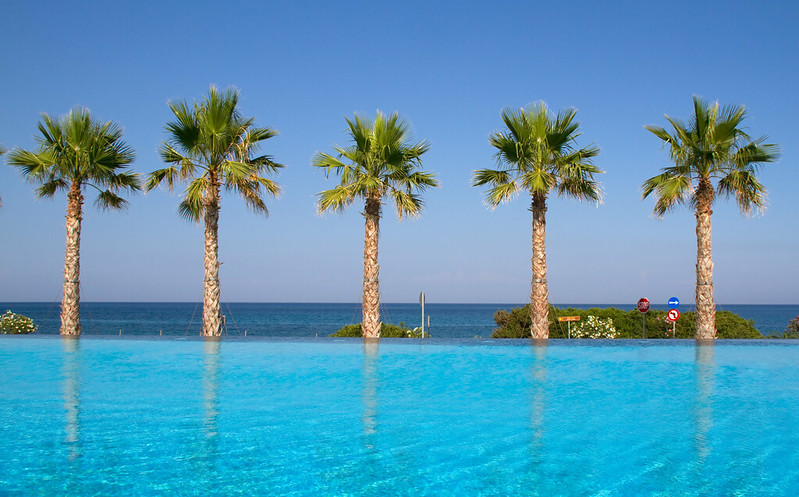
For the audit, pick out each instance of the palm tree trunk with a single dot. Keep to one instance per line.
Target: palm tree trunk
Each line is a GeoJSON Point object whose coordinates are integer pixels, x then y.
{"type": "Point", "coordinates": [539, 296]}
{"type": "Point", "coordinates": [371, 270]}
{"type": "Point", "coordinates": [70, 304]}
{"type": "Point", "coordinates": [212, 325]}
{"type": "Point", "coordinates": [705, 307]}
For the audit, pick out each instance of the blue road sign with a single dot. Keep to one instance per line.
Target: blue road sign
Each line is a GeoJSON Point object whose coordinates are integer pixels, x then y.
{"type": "Point", "coordinates": [674, 302]}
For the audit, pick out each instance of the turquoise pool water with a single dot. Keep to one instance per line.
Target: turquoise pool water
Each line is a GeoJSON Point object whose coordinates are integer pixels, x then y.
{"type": "Point", "coordinates": [338, 417]}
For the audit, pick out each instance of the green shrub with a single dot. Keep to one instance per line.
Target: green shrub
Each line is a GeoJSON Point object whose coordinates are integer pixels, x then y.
{"type": "Point", "coordinates": [387, 330]}
{"type": "Point", "coordinates": [16, 324]}
{"type": "Point", "coordinates": [516, 323]}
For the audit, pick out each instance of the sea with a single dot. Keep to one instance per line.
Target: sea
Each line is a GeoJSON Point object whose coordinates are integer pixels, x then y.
{"type": "Point", "coordinates": [305, 320]}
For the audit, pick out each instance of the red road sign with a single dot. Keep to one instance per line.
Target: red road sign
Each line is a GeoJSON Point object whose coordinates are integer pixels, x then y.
{"type": "Point", "coordinates": [643, 305]}
{"type": "Point", "coordinates": [673, 314]}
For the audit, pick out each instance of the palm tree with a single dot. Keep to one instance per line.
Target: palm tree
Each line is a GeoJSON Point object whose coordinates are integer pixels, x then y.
{"type": "Point", "coordinates": [380, 163]}
{"type": "Point", "coordinates": [712, 147]}
{"type": "Point", "coordinates": [538, 155]}
{"type": "Point", "coordinates": [77, 152]}
{"type": "Point", "coordinates": [211, 145]}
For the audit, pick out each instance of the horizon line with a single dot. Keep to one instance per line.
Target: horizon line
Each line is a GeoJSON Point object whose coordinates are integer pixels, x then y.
{"type": "Point", "coordinates": [633, 304]}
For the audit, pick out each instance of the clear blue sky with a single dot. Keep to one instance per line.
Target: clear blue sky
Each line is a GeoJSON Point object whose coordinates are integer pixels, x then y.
{"type": "Point", "coordinates": [448, 68]}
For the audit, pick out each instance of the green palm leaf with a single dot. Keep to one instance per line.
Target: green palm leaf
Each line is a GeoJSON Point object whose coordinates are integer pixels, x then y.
{"type": "Point", "coordinates": [711, 146]}
{"type": "Point", "coordinates": [77, 149]}
{"type": "Point", "coordinates": [380, 161]}
{"type": "Point", "coordinates": [212, 146]}
{"type": "Point", "coordinates": [538, 153]}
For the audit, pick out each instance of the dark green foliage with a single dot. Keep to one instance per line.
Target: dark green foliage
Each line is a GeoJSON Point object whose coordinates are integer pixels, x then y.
{"type": "Point", "coordinates": [386, 331]}
{"type": "Point", "coordinates": [731, 325]}
{"type": "Point", "coordinates": [516, 323]}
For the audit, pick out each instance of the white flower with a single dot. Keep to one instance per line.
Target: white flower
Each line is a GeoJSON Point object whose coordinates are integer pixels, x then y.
{"type": "Point", "coordinates": [595, 328]}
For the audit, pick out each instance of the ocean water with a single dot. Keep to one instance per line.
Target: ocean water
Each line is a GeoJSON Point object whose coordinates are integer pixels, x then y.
{"type": "Point", "coordinates": [317, 417]}
{"type": "Point", "coordinates": [310, 320]}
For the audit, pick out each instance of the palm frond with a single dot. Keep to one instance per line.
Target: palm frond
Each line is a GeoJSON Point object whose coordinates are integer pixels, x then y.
{"type": "Point", "coordinates": [107, 200]}
{"type": "Point", "coordinates": [711, 146]}
{"type": "Point", "coordinates": [156, 177]}
{"type": "Point", "coordinates": [49, 188]}
{"type": "Point", "coordinates": [234, 171]}
{"type": "Point", "coordinates": [336, 199]}
{"type": "Point", "coordinates": [537, 153]}
{"type": "Point", "coordinates": [381, 159]}
{"type": "Point", "coordinates": [122, 181]}
{"type": "Point", "coordinates": [490, 177]}
{"type": "Point", "coordinates": [33, 166]}
{"type": "Point", "coordinates": [418, 180]}
{"type": "Point", "coordinates": [406, 204]}
{"type": "Point", "coordinates": [749, 193]}
{"type": "Point", "coordinates": [193, 204]}
{"type": "Point", "coordinates": [755, 153]}
{"type": "Point", "coordinates": [212, 139]}
{"type": "Point", "coordinates": [265, 164]}
{"type": "Point", "coordinates": [501, 193]}
{"type": "Point", "coordinates": [76, 148]}
{"type": "Point", "coordinates": [190, 210]}
{"type": "Point", "coordinates": [328, 163]}
{"type": "Point", "coordinates": [669, 190]}
{"type": "Point", "coordinates": [539, 181]}
{"type": "Point", "coordinates": [250, 192]}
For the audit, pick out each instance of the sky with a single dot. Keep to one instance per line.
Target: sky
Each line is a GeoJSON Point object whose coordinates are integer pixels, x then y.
{"type": "Point", "coordinates": [448, 68]}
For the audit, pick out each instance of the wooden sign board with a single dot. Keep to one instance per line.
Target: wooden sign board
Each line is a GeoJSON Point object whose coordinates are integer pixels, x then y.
{"type": "Point", "coordinates": [568, 319]}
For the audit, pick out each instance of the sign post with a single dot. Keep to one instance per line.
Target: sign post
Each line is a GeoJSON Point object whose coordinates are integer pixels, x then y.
{"type": "Point", "coordinates": [569, 320]}
{"type": "Point", "coordinates": [421, 302]}
{"type": "Point", "coordinates": [673, 315]}
{"type": "Point", "coordinates": [643, 307]}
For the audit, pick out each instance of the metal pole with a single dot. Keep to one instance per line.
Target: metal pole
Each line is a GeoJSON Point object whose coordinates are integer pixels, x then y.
{"type": "Point", "coordinates": [421, 302]}
{"type": "Point", "coordinates": [643, 323]}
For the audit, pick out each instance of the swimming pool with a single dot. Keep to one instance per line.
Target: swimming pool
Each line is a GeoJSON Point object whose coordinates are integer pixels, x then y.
{"type": "Point", "coordinates": [106, 416]}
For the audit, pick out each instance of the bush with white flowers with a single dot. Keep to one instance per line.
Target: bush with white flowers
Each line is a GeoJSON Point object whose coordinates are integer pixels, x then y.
{"type": "Point", "coordinates": [595, 328]}
{"type": "Point", "coordinates": [16, 324]}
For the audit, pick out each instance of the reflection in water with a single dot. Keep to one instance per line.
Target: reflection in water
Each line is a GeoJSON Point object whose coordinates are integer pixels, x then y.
{"type": "Point", "coordinates": [369, 397]}
{"type": "Point", "coordinates": [72, 380]}
{"type": "Point", "coordinates": [206, 458]}
{"type": "Point", "coordinates": [538, 401]}
{"type": "Point", "coordinates": [211, 388]}
{"type": "Point", "coordinates": [703, 408]}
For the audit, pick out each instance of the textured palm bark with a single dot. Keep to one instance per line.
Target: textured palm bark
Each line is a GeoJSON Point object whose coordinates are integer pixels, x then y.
{"type": "Point", "coordinates": [705, 306]}
{"type": "Point", "coordinates": [70, 304]}
{"type": "Point", "coordinates": [539, 296]}
{"type": "Point", "coordinates": [371, 270]}
{"type": "Point", "coordinates": [212, 325]}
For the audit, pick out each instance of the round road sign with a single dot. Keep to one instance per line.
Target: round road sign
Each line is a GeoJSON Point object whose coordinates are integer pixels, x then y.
{"type": "Point", "coordinates": [674, 302]}
{"type": "Point", "coordinates": [673, 315]}
{"type": "Point", "coordinates": [643, 305]}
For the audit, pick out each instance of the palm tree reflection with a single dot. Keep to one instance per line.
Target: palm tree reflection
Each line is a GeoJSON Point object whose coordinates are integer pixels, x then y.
{"type": "Point", "coordinates": [538, 400]}
{"type": "Point", "coordinates": [72, 381]}
{"type": "Point", "coordinates": [703, 405]}
{"type": "Point", "coordinates": [211, 389]}
{"type": "Point", "coordinates": [370, 383]}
